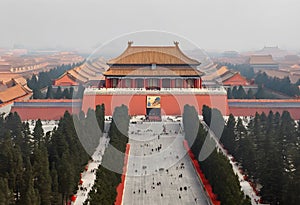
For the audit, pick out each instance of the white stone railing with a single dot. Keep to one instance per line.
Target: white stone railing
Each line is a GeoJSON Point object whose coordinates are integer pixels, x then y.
{"type": "Point", "coordinates": [137, 91]}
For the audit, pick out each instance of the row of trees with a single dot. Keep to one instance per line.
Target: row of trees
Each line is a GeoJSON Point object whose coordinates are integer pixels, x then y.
{"type": "Point", "coordinates": [283, 85]}
{"type": "Point", "coordinates": [38, 168]}
{"type": "Point", "coordinates": [280, 85]}
{"type": "Point", "coordinates": [268, 151]}
{"type": "Point", "coordinates": [240, 93]}
{"type": "Point", "coordinates": [67, 93]}
{"type": "Point", "coordinates": [216, 167]}
{"type": "Point", "coordinates": [108, 176]}
{"type": "Point", "coordinates": [44, 79]}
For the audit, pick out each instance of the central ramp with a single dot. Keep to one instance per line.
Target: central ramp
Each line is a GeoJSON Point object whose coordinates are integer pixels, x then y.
{"type": "Point", "coordinates": [159, 170]}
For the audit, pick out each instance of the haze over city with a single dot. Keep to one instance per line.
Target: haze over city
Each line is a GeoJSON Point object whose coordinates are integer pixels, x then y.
{"type": "Point", "coordinates": [149, 102]}
{"type": "Point", "coordinates": [213, 25]}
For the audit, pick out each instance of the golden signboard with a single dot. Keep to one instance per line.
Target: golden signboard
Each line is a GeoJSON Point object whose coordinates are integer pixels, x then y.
{"type": "Point", "coordinates": [153, 101]}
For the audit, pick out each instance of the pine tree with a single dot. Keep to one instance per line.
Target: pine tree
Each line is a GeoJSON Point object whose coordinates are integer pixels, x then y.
{"type": "Point", "coordinates": [66, 94]}
{"type": "Point", "coordinates": [58, 94]}
{"type": "Point", "coordinates": [228, 136]}
{"type": "Point", "coordinates": [241, 94]}
{"type": "Point", "coordinates": [50, 93]}
{"type": "Point", "coordinates": [6, 195]}
{"type": "Point", "coordinates": [234, 92]}
{"type": "Point", "coordinates": [250, 94]}
{"type": "Point", "coordinates": [29, 195]}
{"type": "Point", "coordinates": [71, 93]}
{"type": "Point", "coordinates": [229, 93]}
{"type": "Point", "coordinates": [55, 196]}
{"type": "Point", "coordinates": [42, 173]}
{"type": "Point", "coordinates": [38, 132]}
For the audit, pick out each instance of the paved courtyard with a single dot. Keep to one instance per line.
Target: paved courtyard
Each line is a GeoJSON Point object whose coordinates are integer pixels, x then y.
{"type": "Point", "coordinates": [159, 171]}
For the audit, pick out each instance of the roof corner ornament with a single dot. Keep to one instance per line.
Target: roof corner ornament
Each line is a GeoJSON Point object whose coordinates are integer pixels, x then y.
{"type": "Point", "coordinates": [130, 43]}
{"type": "Point", "coordinates": [176, 43]}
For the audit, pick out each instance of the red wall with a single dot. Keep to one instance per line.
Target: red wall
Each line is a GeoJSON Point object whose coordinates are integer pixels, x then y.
{"type": "Point", "coordinates": [65, 81]}
{"type": "Point", "coordinates": [237, 79]}
{"type": "Point", "coordinates": [238, 111]}
{"type": "Point", "coordinates": [170, 104]}
{"type": "Point", "coordinates": [43, 113]}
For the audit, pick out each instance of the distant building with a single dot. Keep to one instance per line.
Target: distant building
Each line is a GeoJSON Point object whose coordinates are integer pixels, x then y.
{"type": "Point", "coordinates": [154, 81]}
{"type": "Point", "coordinates": [228, 78]}
{"type": "Point", "coordinates": [13, 93]}
{"type": "Point", "coordinates": [4, 65]}
{"type": "Point", "coordinates": [262, 62]}
{"type": "Point", "coordinates": [89, 74]}
{"type": "Point", "coordinates": [230, 54]}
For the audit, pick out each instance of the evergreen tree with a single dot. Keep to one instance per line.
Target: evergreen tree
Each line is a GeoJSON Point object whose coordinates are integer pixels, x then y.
{"type": "Point", "coordinates": [228, 136]}
{"type": "Point", "coordinates": [250, 94]}
{"type": "Point", "coordinates": [58, 94]}
{"type": "Point", "coordinates": [234, 92]}
{"type": "Point", "coordinates": [241, 94]}
{"type": "Point", "coordinates": [38, 132]}
{"type": "Point", "coordinates": [71, 93]}
{"type": "Point", "coordinates": [66, 94]}
{"type": "Point", "coordinates": [6, 195]}
{"type": "Point", "coordinates": [55, 195]}
{"type": "Point", "coordinates": [29, 195]}
{"type": "Point", "coordinates": [50, 93]}
{"type": "Point", "coordinates": [216, 166]}
{"type": "Point", "coordinates": [32, 83]}
{"type": "Point", "coordinates": [37, 94]}
{"type": "Point", "coordinates": [229, 93]}
{"type": "Point", "coordinates": [42, 173]}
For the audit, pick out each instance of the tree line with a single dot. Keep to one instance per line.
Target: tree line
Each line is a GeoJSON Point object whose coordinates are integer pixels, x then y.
{"type": "Point", "coordinates": [45, 78]}
{"type": "Point", "coordinates": [216, 166]}
{"type": "Point", "coordinates": [268, 151]}
{"type": "Point", "coordinates": [280, 85]}
{"type": "Point", "coordinates": [240, 93]}
{"type": "Point", "coordinates": [44, 168]}
{"type": "Point", "coordinates": [104, 190]}
{"type": "Point", "coordinates": [59, 93]}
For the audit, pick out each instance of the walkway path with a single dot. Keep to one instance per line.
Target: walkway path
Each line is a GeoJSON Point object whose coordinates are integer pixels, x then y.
{"type": "Point", "coordinates": [89, 176]}
{"type": "Point", "coordinates": [159, 171]}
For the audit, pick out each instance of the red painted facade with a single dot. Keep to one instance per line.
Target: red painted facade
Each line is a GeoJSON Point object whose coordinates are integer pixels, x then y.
{"type": "Point", "coordinates": [250, 111]}
{"type": "Point", "coordinates": [170, 104]}
{"type": "Point", "coordinates": [250, 107]}
{"type": "Point", "coordinates": [45, 109]}
{"type": "Point", "coordinates": [236, 80]}
{"type": "Point", "coordinates": [43, 113]}
{"type": "Point", "coordinates": [133, 83]}
{"type": "Point", "coordinates": [65, 80]}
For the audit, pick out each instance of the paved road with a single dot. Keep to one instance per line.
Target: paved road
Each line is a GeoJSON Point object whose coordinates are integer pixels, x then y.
{"type": "Point", "coordinates": [159, 171]}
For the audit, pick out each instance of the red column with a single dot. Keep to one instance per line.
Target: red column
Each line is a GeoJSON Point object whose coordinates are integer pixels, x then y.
{"type": "Point", "coordinates": [184, 83]}
{"type": "Point", "coordinates": [197, 83]}
{"type": "Point", "coordinates": [160, 83]}
{"type": "Point", "coordinates": [200, 82]}
{"type": "Point", "coordinates": [145, 83]}
{"type": "Point", "coordinates": [133, 83]}
{"type": "Point", "coordinates": [172, 83]}
{"type": "Point", "coordinates": [106, 83]}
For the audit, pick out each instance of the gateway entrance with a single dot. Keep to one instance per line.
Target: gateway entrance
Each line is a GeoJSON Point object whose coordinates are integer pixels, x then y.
{"type": "Point", "coordinates": [153, 108]}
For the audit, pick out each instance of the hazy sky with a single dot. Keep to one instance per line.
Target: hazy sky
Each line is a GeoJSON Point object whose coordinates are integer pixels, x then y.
{"type": "Point", "coordinates": [211, 24]}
